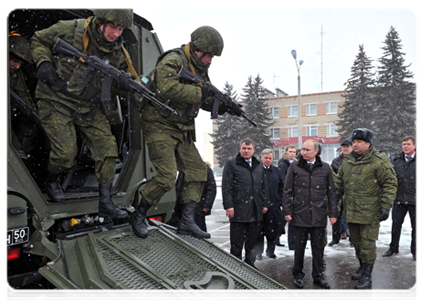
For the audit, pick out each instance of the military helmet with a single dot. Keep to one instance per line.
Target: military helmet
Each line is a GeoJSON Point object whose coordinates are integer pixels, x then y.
{"type": "Point", "coordinates": [19, 47]}
{"type": "Point", "coordinates": [121, 17]}
{"type": "Point", "coordinates": [207, 39]}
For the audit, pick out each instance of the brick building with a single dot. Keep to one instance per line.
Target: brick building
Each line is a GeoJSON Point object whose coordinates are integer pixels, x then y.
{"type": "Point", "coordinates": [319, 112]}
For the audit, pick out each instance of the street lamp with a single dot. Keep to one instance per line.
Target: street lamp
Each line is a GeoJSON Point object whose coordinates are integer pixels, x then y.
{"type": "Point", "coordinates": [300, 136]}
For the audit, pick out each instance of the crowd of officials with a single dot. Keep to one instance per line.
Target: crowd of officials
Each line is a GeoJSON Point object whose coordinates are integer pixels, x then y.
{"type": "Point", "coordinates": [355, 193]}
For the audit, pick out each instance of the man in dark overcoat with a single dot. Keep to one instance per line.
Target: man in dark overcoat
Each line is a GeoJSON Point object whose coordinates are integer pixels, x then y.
{"type": "Point", "coordinates": [309, 194]}
{"type": "Point", "coordinates": [405, 199]}
{"type": "Point", "coordinates": [273, 224]}
{"type": "Point", "coordinates": [245, 199]}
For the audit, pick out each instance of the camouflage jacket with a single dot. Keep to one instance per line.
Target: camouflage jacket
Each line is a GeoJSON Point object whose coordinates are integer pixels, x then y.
{"type": "Point", "coordinates": [77, 92]}
{"type": "Point", "coordinates": [368, 183]}
{"type": "Point", "coordinates": [184, 97]}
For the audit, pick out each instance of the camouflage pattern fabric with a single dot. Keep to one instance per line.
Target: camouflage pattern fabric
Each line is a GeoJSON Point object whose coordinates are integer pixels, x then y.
{"type": "Point", "coordinates": [60, 129]}
{"type": "Point", "coordinates": [169, 154]}
{"type": "Point", "coordinates": [368, 183]}
{"type": "Point", "coordinates": [363, 237]}
{"type": "Point", "coordinates": [169, 138]}
{"type": "Point", "coordinates": [60, 111]}
{"type": "Point", "coordinates": [76, 92]}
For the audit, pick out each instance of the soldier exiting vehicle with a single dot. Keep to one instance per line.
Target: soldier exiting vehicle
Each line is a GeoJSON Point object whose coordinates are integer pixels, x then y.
{"type": "Point", "coordinates": [170, 138]}
{"type": "Point", "coordinates": [69, 100]}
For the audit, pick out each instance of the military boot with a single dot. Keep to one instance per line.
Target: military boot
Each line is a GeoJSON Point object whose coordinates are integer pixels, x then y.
{"type": "Point", "coordinates": [187, 224]}
{"type": "Point", "coordinates": [357, 274]}
{"type": "Point", "coordinates": [54, 189]}
{"type": "Point", "coordinates": [139, 220]}
{"type": "Point", "coordinates": [366, 277]}
{"type": "Point", "coordinates": [106, 207]}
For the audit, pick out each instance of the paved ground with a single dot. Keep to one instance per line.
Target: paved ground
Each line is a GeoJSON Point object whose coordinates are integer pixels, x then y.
{"type": "Point", "coordinates": [397, 272]}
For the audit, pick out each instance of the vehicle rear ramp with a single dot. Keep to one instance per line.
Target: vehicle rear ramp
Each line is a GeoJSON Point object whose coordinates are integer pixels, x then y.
{"type": "Point", "coordinates": [118, 259]}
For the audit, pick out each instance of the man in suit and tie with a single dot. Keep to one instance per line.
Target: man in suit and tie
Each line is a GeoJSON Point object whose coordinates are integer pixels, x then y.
{"type": "Point", "coordinates": [245, 199]}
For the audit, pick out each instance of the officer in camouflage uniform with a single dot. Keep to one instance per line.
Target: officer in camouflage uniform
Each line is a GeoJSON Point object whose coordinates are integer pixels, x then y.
{"type": "Point", "coordinates": [68, 100]}
{"type": "Point", "coordinates": [170, 138]}
{"type": "Point", "coordinates": [24, 130]}
{"type": "Point", "coordinates": [368, 183]}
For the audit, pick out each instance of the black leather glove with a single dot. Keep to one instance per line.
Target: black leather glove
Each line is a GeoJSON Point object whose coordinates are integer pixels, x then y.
{"type": "Point", "coordinates": [205, 93]}
{"type": "Point", "coordinates": [123, 83]}
{"type": "Point", "coordinates": [383, 214]}
{"type": "Point", "coordinates": [235, 110]}
{"type": "Point", "coordinates": [47, 74]}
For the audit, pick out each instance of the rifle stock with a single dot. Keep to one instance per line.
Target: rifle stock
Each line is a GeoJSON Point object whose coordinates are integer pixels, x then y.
{"type": "Point", "coordinates": [185, 74]}
{"type": "Point", "coordinates": [110, 72]}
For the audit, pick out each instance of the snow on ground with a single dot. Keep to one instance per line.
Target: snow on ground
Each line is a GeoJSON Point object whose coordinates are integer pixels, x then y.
{"type": "Point", "coordinates": [344, 248]}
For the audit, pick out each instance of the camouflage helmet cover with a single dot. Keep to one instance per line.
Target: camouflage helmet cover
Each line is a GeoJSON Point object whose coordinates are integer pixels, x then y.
{"type": "Point", "coordinates": [20, 47]}
{"type": "Point", "coordinates": [121, 17]}
{"type": "Point", "coordinates": [207, 39]}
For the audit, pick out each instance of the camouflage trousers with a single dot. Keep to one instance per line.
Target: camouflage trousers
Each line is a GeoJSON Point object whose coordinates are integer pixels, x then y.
{"type": "Point", "coordinates": [170, 154]}
{"type": "Point", "coordinates": [61, 131]}
{"type": "Point", "coordinates": [363, 237]}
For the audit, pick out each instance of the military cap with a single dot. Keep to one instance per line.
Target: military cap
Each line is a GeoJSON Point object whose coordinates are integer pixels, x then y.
{"type": "Point", "coordinates": [363, 134]}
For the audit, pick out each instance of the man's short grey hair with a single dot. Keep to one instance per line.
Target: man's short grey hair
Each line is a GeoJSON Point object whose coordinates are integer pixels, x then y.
{"type": "Point", "coordinates": [267, 151]}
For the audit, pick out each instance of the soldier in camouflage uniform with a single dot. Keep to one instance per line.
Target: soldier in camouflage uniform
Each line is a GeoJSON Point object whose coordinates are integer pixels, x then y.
{"type": "Point", "coordinates": [170, 138]}
{"type": "Point", "coordinates": [25, 131]}
{"type": "Point", "coordinates": [368, 183]}
{"type": "Point", "coordinates": [68, 100]}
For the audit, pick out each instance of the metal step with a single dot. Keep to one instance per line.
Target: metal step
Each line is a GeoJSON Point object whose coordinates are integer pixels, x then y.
{"type": "Point", "coordinates": [118, 259]}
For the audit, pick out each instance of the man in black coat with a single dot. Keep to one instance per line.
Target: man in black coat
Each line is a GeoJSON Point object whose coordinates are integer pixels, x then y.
{"type": "Point", "coordinates": [309, 194]}
{"type": "Point", "coordinates": [346, 147]}
{"type": "Point", "coordinates": [283, 164]}
{"type": "Point", "coordinates": [405, 200]}
{"type": "Point", "coordinates": [203, 208]}
{"type": "Point", "coordinates": [273, 224]}
{"type": "Point", "coordinates": [245, 199]}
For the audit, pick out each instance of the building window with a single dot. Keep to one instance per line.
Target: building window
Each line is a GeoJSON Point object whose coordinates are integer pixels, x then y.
{"type": "Point", "coordinates": [329, 152]}
{"type": "Point", "coordinates": [331, 107]}
{"type": "Point", "coordinates": [274, 112]}
{"type": "Point", "coordinates": [292, 111]}
{"type": "Point", "coordinates": [312, 130]}
{"type": "Point", "coordinates": [293, 131]}
{"type": "Point", "coordinates": [277, 155]}
{"type": "Point", "coordinates": [331, 130]}
{"type": "Point", "coordinates": [275, 133]}
{"type": "Point", "coordinates": [311, 109]}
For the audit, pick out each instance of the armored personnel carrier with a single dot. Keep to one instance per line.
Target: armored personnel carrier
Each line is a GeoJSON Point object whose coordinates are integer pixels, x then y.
{"type": "Point", "coordinates": [66, 244]}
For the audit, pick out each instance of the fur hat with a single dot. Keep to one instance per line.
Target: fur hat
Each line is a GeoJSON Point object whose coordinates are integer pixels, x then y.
{"type": "Point", "coordinates": [363, 134]}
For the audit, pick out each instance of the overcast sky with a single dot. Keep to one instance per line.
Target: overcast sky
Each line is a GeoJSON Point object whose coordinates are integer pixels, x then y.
{"type": "Point", "coordinates": [259, 38]}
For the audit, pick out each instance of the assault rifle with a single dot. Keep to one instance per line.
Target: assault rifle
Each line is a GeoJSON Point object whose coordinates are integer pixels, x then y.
{"type": "Point", "coordinates": [110, 72]}
{"type": "Point", "coordinates": [24, 108]}
{"type": "Point", "coordinates": [184, 73]}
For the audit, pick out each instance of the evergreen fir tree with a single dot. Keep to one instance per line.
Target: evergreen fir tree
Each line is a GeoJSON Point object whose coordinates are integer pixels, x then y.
{"type": "Point", "coordinates": [256, 107]}
{"type": "Point", "coordinates": [359, 105]}
{"type": "Point", "coordinates": [395, 97]}
{"type": "Point", "coordinates": [229, 132]}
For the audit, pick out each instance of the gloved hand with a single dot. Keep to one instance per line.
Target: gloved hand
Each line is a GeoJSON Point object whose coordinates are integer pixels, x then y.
{"type": "Point", "coordinates": [47, 74]}
{"type": "Point", "coordinates": [235, 110]}
{"type": "Point", "coordinates": [383, 214]}
{"type": "Point", "coordinates": [205, 93]}
{"type": "Point", "coordinates": [123, 83]}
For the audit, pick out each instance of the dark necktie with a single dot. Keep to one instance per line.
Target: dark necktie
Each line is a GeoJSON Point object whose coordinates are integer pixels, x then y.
{"type": "Point", "coordinates": [408, 158]}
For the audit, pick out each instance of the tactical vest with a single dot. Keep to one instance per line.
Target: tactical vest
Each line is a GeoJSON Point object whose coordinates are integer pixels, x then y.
{"type": "Point", "coordinates": [70, 69]}
{"type": "Point", "coordinates": [186, 112]}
